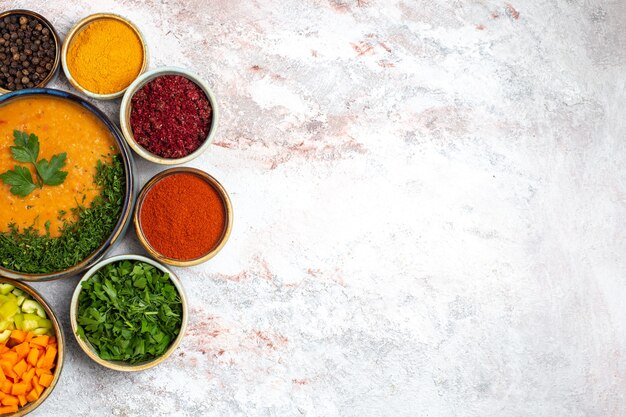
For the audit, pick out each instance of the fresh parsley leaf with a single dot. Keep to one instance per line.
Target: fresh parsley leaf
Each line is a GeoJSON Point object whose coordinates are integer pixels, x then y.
{"type": "Point", "coordinates": [26, 147]}
{"type": "Point", "coordinates": [20, 180]}
{"type": "Point", "coordinates": [50, 173]}
{"type": "Point", "coordinates": [26, 150]}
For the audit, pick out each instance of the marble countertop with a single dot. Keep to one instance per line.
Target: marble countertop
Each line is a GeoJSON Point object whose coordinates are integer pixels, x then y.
{"type": "Point", "coordinates": [429, 211]}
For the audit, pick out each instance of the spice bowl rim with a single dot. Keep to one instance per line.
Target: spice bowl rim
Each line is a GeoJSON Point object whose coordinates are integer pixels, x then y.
{"type": "Point", "coordinates": [126, 105]}
{"type": "Point", "coordinates": [119, 365]}
{"type": "Point", "coordinates": [57, 44]}
{"type": "Point", "coordinates": [129, 196]}
{"type": "Point", "coordinates": [58, 333]}
{"type": "Point", "coordinates": [228, 208]}
{"type": "Point", "coordinates": [77, 28]}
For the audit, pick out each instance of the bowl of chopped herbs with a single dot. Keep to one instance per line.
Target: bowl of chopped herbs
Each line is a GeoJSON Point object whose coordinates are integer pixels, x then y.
{"type": "Point", "coordinates": [129, 313]}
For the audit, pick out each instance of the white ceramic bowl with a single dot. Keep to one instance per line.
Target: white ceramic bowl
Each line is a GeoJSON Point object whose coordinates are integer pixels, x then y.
{"type": "Point", "coordinates": [125, 109]}
{"type": "Point", "coordinates": [118, 365]}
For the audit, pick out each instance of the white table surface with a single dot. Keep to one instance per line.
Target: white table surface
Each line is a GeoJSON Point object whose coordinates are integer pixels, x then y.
{"type": "Point", "coordinates": [429, 202]}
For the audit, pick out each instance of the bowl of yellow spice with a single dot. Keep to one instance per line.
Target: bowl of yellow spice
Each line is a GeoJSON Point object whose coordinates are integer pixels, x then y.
{"type": "Point", "coordinates": [103, 54]}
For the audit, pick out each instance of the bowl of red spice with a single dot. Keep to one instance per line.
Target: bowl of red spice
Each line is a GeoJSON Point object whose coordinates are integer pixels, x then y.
{"type": "Point", "coordinates": [183, 216]}
{"type": "Point", "coordinates": [169, 116]}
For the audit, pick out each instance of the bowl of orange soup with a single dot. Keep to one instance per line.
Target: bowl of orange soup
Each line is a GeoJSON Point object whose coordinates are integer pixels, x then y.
{"type": "Point", "coordinates": [66, 184]}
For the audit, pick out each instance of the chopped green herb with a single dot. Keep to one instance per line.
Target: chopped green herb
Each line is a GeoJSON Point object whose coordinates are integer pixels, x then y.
{"type": "Point", "coordinates": [31, 252]}
{"type": "Point", "coordinates": [129, 311]}
{"type": "Point", "coordinates": [26, 150]}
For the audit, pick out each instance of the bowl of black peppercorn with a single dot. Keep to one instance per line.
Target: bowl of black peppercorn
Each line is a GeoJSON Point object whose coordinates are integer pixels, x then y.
{"type": "Point", "coordinates": [29, 50]}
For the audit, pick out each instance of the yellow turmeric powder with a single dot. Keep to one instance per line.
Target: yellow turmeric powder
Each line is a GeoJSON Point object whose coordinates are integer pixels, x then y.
{"type": "Point", "coordinates": [105, 57]}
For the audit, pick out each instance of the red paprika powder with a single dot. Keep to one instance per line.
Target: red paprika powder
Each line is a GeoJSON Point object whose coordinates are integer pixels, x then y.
{"type": "Point", "coordinates": [183, 217]}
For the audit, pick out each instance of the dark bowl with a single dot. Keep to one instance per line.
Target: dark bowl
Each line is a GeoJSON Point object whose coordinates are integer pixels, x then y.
{"type": "Point", "coordinates": [127, 208]}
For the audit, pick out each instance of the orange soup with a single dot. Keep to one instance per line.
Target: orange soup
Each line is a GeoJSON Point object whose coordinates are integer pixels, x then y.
{"type": "Point", "coordinates": [62, 126]}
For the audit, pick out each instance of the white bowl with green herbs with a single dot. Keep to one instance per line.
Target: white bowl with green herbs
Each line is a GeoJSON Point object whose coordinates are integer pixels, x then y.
{"type": "Point", "coordinates": [129, 313]}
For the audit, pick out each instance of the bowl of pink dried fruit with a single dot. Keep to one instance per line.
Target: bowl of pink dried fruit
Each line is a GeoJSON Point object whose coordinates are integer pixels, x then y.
{"type": "Point", "coordinates": [169, 115]}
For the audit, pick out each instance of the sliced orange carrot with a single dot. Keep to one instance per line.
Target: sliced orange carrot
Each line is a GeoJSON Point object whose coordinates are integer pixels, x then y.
{"type": "Point", "coordinates": [41, 340]}
{"type": "Point", "coordinates": [10, 357]}
{"type": "Point", "coordinates": [10, 400]}
{"type": "Point", "coordinates": [20, 367]}
{"type": "Point", "coordinates": [51, 353]}
{"type": "Point", "coordinates": [26, 363]}
{"type": "Point", "coordinates": [7, 368]}
{"type": "Point", "coordinates": [8, 409]}
{"type": "Point", "coordinates": [22, 349]}
{"type": "Point", "coordinates": [6, 386]}
{"type": "Point", "coordinates": [28, 376]}
{"type": "Point", "coordinates": [45, 379]}
{"type": "Point", "coordinates": [19, 388]}
{"type": "Point", "coordinates": [18, 336]}
{"type": "Point", "coordinates": [37, 387]}
{"type": "Point", "coordinates": [33, 355]}
{"type": "Point", "coordinates": [32, 396]}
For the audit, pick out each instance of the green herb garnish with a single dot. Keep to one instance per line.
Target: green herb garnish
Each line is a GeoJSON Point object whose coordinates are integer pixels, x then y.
{"type": "Point", "coordinates": [31, 252]}
{"type": "Point", "coordinates": [129, 311]}
{"type": "Point", "coordinates": [26, 150]}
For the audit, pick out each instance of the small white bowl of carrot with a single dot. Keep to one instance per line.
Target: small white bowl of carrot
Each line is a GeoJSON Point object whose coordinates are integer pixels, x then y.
{"type": "Point", "coordinates": [31, 349]}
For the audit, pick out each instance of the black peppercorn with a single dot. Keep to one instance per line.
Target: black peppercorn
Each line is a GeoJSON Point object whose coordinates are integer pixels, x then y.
{"type": "Point", "coordinates": [27, 51]}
